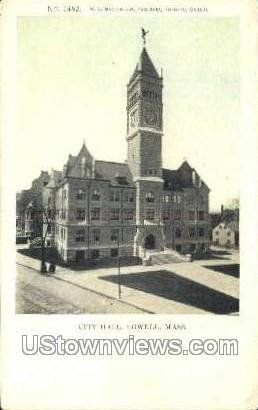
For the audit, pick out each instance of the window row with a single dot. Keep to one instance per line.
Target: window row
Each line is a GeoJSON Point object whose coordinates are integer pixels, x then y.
{"type": "Point", "coordinates": [94, 254]}
{"type": "Point", "coordinates": [115, 195]}
{"type": "Point", "coordinates": [115, 214]}
{"type": "Point", "coordinates": [177, 214]}
{"type": "Point", "coordinates": [95, 214]}
{"type": "Point", "coordinates": [227, 232]}
{"type": "Point", "coordinates": [192, 232]}
{"type": "Point", "coordinates": [176, 198]}
{"type": "Point", "coordinates": [95, 235]}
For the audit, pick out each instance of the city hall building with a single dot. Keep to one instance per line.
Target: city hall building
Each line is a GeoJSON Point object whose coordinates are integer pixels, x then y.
{"type": "Point", "coordinates": [99, 209]}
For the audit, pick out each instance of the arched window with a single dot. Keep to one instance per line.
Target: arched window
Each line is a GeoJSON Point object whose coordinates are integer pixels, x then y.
{"type": "Point", "coordinates": [80, 194]}
{"type": "Point", "coordinates": [96, 195]}
{"type": "Point", "coordinates": [149, 197]}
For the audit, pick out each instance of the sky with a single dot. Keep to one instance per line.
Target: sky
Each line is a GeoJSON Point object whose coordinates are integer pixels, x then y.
{"type": "Point", "coordinates": [72, 74]}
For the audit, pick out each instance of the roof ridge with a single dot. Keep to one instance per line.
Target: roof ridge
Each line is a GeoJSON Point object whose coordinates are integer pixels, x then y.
{"type": "Point", "coordinates": [111, 162]}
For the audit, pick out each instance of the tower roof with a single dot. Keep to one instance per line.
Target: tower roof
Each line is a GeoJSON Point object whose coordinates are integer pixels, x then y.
{"type": "Point", "coordinates": [145, 66]}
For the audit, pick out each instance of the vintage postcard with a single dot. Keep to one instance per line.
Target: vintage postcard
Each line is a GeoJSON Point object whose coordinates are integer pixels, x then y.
{"type": "Point", "coordinates": [129, 205]}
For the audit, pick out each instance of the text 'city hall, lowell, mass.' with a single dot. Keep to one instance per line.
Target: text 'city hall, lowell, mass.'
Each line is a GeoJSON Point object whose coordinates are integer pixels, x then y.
{"type": "Point", "coordinates": [99, 209]}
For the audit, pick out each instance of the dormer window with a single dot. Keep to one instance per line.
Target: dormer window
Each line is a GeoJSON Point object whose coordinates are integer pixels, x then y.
{"type": "Point", "coordinates": [149, 197]}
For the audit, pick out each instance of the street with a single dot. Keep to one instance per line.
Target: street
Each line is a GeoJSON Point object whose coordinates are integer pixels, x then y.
{"type": "Point", "coordinates": [204, 286]}
{"type": "Point", "coordinates": [45, 295]}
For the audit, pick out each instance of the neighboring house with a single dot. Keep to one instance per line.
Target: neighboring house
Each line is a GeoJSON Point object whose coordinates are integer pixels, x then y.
{"type": "Point", "coordinates": [99, 208]}
{"type": "Point", "coordinates": [226, 234]}
{"type": "Point", "coordinates": [29, 207]}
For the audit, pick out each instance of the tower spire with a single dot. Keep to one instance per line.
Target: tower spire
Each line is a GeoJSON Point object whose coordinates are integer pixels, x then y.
{"type": "Point", "coordinates": [144, 34]}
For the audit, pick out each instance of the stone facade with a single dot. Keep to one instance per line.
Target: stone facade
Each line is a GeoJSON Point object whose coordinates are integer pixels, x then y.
{"type": "Point", "coordinates": [100, 209]}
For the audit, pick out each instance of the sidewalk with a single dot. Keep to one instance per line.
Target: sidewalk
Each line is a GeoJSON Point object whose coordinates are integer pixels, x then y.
{"type": "Point", "coordinates": [105, 281]}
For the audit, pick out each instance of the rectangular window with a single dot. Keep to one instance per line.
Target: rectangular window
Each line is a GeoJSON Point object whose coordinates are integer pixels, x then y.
{"type": "Point", "coordinates": [165, 198]}
{"type": "Point", "coordinates": [95, 214]}
{"type": "Point", "coordinates": [192, 232]}
{"type": "Point", "coordinates": [178, 232]}
{"type": "Point", "coordinates": [80, 194]}
{"type": "Point", "coordinates": [177, 214]}
{"type": "Point", "coordinates": [114, 215]}
{"type": "Point", "coordinates": [96, 235]}
{"type": "Point", "coordinates": [201, 215]}
{"type": "Point", "coordinates": [149, 197]}
{"type": "Point", "coordinates": [150, 214]}
{"type": "Point", "coordinates": [114, 252]}
{"type": "Point", "coordinates": [201, 232]}
{"type": "Point", "coordinates": [95, 195]}
{"type": "Point", "coordinates": [130, 197]}
{"type": "Point", "coordinates": [80, 214]}
{"type": "Point", "coordinates": [191, 215]}
{"type": "Point", "coordinates": [114, 235]}
{"type": "Point", "coordinates": [192, 247]}
{"type": "Point", "coordinates": [177, 199]}
{"type": "Point", "coordinates": [128, 215]}
{"type": "Point", "coordinates": [114, 196]}
{"type": "Point", "coordinates": [80, 235]}
{"type": "Point", "coordinates": [95, 253]}
{"type": "Point", "coordinates": [165, 216]}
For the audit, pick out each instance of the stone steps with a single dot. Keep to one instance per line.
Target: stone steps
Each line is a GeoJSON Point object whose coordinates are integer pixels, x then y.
{"type": "Point", "coordinates": [167, 256]}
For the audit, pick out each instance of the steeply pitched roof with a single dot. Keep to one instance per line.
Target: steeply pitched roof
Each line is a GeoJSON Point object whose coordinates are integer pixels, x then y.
{"type": "Point", "coordinates": [234, 226]}
{"type": "Point", "coordinates": [118, 173]}
{"type": "Point", "coordinates": [55, 178]}
{"type": "Point", "coordinates": [145, 66]}
{"type": "Point", "coordinates": [74, 166]}
{"type": "Point", "coordinates": [175, 180]}
{"type": "Point", "coordinates": [172, 180]}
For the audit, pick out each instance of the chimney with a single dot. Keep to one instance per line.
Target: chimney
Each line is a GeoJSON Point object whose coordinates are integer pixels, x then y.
{"type": "Point", "coordinates": [221, 212]}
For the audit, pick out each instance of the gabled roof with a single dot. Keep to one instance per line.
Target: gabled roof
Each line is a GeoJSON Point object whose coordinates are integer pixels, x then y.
{"type": "Point", "coordinates": [175, 180]}
{"type": "Point", "coordinates": [73, 166]}
{"type": "Point", "coordinates": [234, 226]}
{"type": "Point", "coordinates": [172, 180]}
{"type": "Point", "coordinates": [55, 178]}
{"type": "Point", "coordinates": [145, 66]}
{"type": "Point", "coordinates": [118, 173]}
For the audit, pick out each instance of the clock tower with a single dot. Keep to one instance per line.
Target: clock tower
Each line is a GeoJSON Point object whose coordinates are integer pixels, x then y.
{"type": "Point", "coordinates": [144, 139]}
{"type": "Point", "coordinates": [144, 119]}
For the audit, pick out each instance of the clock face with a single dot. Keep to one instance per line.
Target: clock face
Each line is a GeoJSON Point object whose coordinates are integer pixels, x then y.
{"type": "Point", "coordinates": [150, 117]}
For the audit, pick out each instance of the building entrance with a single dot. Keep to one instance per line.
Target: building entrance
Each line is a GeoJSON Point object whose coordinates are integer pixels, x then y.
{"type": "Point", "coordinates": [149, 242]}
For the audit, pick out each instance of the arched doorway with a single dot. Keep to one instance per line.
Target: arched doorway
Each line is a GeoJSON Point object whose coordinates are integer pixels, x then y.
{"type": "Point", "coordinates": [149, 242]}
